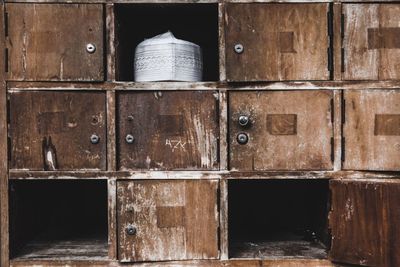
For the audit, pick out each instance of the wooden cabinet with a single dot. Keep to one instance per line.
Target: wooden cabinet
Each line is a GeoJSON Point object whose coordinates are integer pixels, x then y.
{"type": "Point", "coordinates": [168, 130]}
{"type": "Point", "coordinates": [289, 130]}
{"type": "Point", "coordinates": [371, 130]}
{"type": "Point", "coordinates": [364, 222]}
{"type": "Point", "coordinates": [58, 130]}
{"type": "Point", "coordinates": [371, 43]}
{"type": "Point", "coordinates": [276, 42]}
{"type": "Point", "coordinates": [60, 42]}
{"type": "Point", "coordinates": [167, 220]}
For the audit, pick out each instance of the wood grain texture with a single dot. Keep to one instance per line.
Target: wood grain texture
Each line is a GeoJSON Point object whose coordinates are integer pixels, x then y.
{"type": "Point", "coordinates": [68, 119]}
{"type": "Point", "coordinates": [367, 144]}
{"type": "Point", "coordinates": [112, 219]}
{"type": "Point", "coordinates": [4, 200]}
{"type": "Point", "coordinates": [281, 42]}
{"type": "Point", "coordinates": [48, 42]}
{"type": "Point", "coordinates": [370, 53]}
{"type": "Point", "coordinates": [307, 147]}
{"type": "Point", "coordinates": [196, 237]}
{"type": "Point", "coordinates": [364, 220]}
{"type": "Point", "coordinates": [172, 130]}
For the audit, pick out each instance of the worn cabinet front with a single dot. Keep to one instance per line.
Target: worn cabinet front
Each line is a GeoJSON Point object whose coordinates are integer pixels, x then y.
{"type": "Point", "coordinates": [365, 222]}
{"type": "Point", "coordinates": [167, 220]}
{"type": "Point", "coordinates": [371, 130]}
{"type": "Point", "coordinates": [55, 42]}
{"type": "Point", "coordinates": [58, 130]}
{"type": "Point", "coordinates": [277, 130]}
{"type": "Point", "coordinates": [168, 130]}
{"type": "Point", "coordinates": [371, 43]}
{"type": "Point", "coordinates": [276, 42]}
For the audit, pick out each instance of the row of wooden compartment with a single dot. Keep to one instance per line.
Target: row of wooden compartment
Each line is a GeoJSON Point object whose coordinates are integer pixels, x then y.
{"type": "Point", "coordinates": [183, 130]}
{"type": "Point", "coordinates": [279, 42]}
{"type": "Point", "coordinates": [347, 221]}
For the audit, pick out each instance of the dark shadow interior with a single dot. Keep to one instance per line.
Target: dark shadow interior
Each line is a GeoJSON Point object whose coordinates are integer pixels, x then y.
{"type": "Point", "coordinates": [278, 218]}
{"type": "Point", "coordinates": [61, 219]}
{"type": "Point", "coordinates": [194, 23]}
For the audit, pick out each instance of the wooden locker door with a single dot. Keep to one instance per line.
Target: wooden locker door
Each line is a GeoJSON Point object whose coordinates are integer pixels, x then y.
{"type": "Point", "coordinates": [371, 130]}
{"type": "Point", "coordinates": [58, 130]}
{"type": "Point", "coordinates": [168, 130]}
{"type": "Point", "coordinates": [365, 222]}
{"type": "Point", "coordinates": [371, 41]}
{"type": "Point", "coordinates": [167, 220]}
{"type": "Point", "coordinates": [287, 130]}
{"type": "Point", "coordinates": [58, 42]}
{"type": "Point", "coordinates": [276, 42]}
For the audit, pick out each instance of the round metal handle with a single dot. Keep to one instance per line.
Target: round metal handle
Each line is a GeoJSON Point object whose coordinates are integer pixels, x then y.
{"type": "Point", "coordinates": [130, 230]}
{"type": "Point", "coordinates": [129, 139]}
{"type": "Point", "coordinates": [244, 120]}
{"type": "Point", "coordinates": [94, 139]}
{"type": "Point", "coordinates": [90, 48]}
{"type": "Point", "coordinates": [238, 48]}
{"type": "Point", "coordinates": [242, 138]}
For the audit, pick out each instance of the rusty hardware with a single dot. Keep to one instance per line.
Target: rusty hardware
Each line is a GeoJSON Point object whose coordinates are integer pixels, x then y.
{"type": "Point", "coordinates": [239, 48]}
{"type": "Point", "coordinates": [130, 229]}
{"type": "Point", "coordinates": [244, 120]}
{"type": "Point", "coordinates": [129, 139]}
{"type": "Point", "coordinates": [94, 139]}
{"type": "Point", "coordinates": [90, 48]}
{"type": "Point", "coordinates": [242, 138]}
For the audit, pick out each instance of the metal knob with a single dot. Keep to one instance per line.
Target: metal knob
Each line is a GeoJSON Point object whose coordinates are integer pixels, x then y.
{"type": "Point", "coordinates": [242, 138]}
{"type": "Point", "coordinates": [94, 139]}
{"type": "Point", "coordinates": [130, 229]}
{"type": "Point", "coordinates": [129, 139]}
{"type": "Point", "coordinates": [90, 48]}
{"type": "Point", "coordinates": [244, 120]}
{"type": "Point", "coordinates": [238, 48]}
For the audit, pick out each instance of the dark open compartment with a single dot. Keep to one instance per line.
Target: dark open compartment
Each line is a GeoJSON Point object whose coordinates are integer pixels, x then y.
{"type": "Point", "coordinates": [278, 219]}
{"type": "Point", "coordinates": [194, 23]}
{"type": "Point", "coordinates": [63, 220]}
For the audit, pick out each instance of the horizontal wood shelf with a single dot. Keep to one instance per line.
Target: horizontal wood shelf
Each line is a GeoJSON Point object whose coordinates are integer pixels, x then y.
{"type": "Point", "coordinates": [177, 86]}
{"type": "Point", "coordinates": [143, 175]}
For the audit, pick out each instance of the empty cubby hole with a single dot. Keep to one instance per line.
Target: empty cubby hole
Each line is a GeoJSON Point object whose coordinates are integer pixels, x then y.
{"type": "Point", "coordinates": [137, 22]}
{"type": "Point", "coordinates": [58, 219]}
{"type": "Point", "coordinates": [278, 219]}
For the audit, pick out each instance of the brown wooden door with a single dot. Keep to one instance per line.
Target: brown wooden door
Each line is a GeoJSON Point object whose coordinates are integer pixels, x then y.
{"type": "Point", "coordinates": [371, 41]}
{"type": "Point", "coordinates": [168, 130]}
{"type": "Point", "coordinates": [167, 220]}
{"type": "Point", "coordinates": [287, 130]}
{"type": "Point", "coordinates": [278, 41]}
{"type": "Point", "coordinates": [365, 222]}
{"type": "Point", "coordinates": [371, 130]}
{"type": "Point", "coordinates": [60, 42]}
{"type": "Point", "coordinates": [58, 130]}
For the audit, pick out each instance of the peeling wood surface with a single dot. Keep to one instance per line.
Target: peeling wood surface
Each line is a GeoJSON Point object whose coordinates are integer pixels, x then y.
{"type": "Point", "coordinates": [372, 130]}
{"type": "Point", "coordinates": [287, 130]}
{"type": "Point", "coordinates": [44, 43]}
{"type": "Point", "coordinates": [52, 130]}
{"type": "Point", "coordinates": [171, 130]}
{"type": "Point", "coordinates": [112, 219]}
{"type": "Point", "coordinates": [364, 220]}
{"type": "Point", "coordinates": [151, 206]}
{"type": "Point", "coordinates": [369, 57]}
{"type": "Point", "coordinates": [292, 45]}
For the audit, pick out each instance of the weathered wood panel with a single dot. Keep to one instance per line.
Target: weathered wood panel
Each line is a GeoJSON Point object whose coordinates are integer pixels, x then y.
{"type": "Point", "coordinates": [49, 42]}
{"type": "Point", "coordinates": [280, 42]}
{"type": "Point", "coordinates": [170, 130]}
{"type": "Point", "coordinates": [173, 220]}
{"type": "Point", "coordinates": [286, 131]}
{"type": "Point", "coordinates": [372, 130]}
{"type": "Point", "coordinates": [365, 222]}
{"type": "Point", "coordinates": [53, 130]}
{"type": "Point", "coordinates": [371, 41]}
